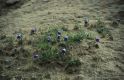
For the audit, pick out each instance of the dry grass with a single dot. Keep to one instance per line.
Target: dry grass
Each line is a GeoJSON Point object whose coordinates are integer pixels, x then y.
{"type": "Point", "coordinates": [65, 14]}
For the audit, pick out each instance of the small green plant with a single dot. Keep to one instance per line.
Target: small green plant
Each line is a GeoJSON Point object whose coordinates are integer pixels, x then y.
{"type": "Point", "coordinates": [101, 28]}
{"type": "Point", "coordinates": [103, 31]}
{"type": "Point", "coordinates": [77, 26]}
{"type": "Point", "coordinates": [74, 63]}
{"type": "Point", "coordinates": [64, 28]}
{"type": "Point", "coordinates": [77, 37]}
{"type": "Point", "coordinates": [73, 66]}
{"type": "Point", "coordinates": [43, 46]}
{"type": "Point", "coordinates": [100, 23]}
{"type": "Point", "coordinates": [2, 36]}
{"type": "Point", "coordinates": [47, 76]}
{"type": "Point", "coordinates": [49, 55]}
{"type": "Point", "coordinates": [8, 44]}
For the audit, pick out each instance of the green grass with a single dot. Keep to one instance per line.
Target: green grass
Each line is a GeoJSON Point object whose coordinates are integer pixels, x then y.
{"type": "Point", "coordinates": [73, 66]}
{"type": "Point", "coordinates": [64, 28]}
{"type": "Point", "coordinates": [50, 53]}
{"type": "Point", "coordinates": [101, 28]}
{"type": "Point", "coordinates": [77, 26]}
{"type": "Point", "coordinates": [73, 62]}
{"type": "Point", "coordinates": [79, 36]}
{"type": "Point", "coordinates": [103, 31]}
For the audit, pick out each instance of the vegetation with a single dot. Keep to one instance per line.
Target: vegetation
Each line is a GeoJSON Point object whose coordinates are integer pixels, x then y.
{"type": "Point", "coordinates": [77, 26]}
{"type": "Point", "coordinates": [51, 53]}
{"type": "Point", "coordinates": [64, 28]}
{"type": "Point", "coordinates": [73, 66]}
{"type": "Point", "coordinates": [73, 62]}
{"type": "Point", "coordinates": [101, 28]}
{"type": "Point", "coordinates": [77, 53]}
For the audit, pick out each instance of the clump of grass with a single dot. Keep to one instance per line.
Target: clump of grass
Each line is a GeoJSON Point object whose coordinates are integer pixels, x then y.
{"type": "Point", "coordinates": [77, 26]}
{"type": "Point", "coordinates": [47, 76]}
{"type": "Point", "coordinates": [3, 36]}
{"type": "Point", "coordinates": [7, 44]}
{"type": "Point", "coordinates": [105, 33]}
{"type": "Point", "coordinates": [101, 29]}
{"type": "Point", "coordinates": [48, 52]}
{"type": "Point", "coordinates": [99, 23]}
{"type": "Point", "coordinates": [64, 28]}
{"type": "Point", "coordinates": [62, 44]}
{"type": "Point", "coordinates": [115, 23]}
{"type": "Point", "coordinates": [43, 46]}
{"type": "Point", "coordinates": [73, 66]}
{"type": "Point", "coordinates": [30, 67]}
{"type": "Point", "coordinates": [49, 55]}
{"type": "Point", "coordinates": [77, 37]}
{"type": "Point", "coordinates": [74, 63]}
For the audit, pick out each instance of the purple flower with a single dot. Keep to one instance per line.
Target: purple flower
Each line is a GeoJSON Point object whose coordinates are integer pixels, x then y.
{"type": "Point", "coordinates": [35, 56]}
{"type": "Point", "coordinates": [33, 31]}
{"type": "Point", "coordinates": [65, 38]}
{"type": "Point", "coordinates": [19, 36]}
{"type": "Point", "coordinates": [97, 39]}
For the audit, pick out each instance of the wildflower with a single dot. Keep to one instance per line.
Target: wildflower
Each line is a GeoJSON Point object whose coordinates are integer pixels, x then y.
{"type": "Point", "coordinates": [97, 39]}
{"type": "Point", "coordinates": [19, 36]}
{"type": "Point", "coordinates": [63, 51]}
{"type": "Point", "coordinates": [49, 39]}
{"type": "Point", "coordinates": [33, 31]}
{"type": "Point", "coordinates": [86, 21]}
{"type": "Point", "coordinates": [65, 38]}
{"type": "Point", "coordinates": [35, 56]}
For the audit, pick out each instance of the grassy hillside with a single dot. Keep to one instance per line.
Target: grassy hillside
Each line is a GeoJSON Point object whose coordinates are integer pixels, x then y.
{"type": "Point", "coordinates": [84, 59]}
